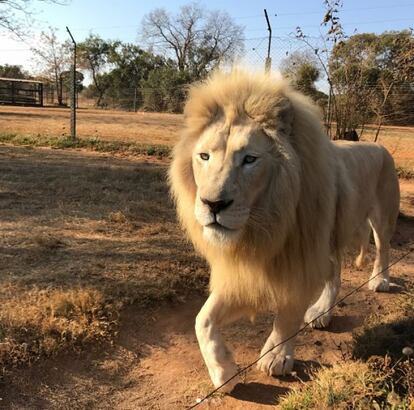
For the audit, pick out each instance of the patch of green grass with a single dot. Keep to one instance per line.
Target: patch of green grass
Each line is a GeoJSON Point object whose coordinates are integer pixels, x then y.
{"type": "Point", "coordinates": [93, 144]}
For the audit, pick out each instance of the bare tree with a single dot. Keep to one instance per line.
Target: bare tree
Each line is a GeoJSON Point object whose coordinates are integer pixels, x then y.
{"type": "Point", "coordinates": [53, 59]}
{"type": "Point", "coordinates": [197, 39]}
{"type": "Point", "coordinates": [16, 15]}
{"type": "Point", "coordinates": [333, 38]}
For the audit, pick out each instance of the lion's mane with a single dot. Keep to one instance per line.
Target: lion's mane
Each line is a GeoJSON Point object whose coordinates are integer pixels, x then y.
{"type": "Point", "coordinates": [285, 254]}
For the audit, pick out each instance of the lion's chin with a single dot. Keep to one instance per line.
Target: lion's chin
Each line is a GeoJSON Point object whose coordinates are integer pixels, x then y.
{"type": "Point", "coordinates": [219, 235]}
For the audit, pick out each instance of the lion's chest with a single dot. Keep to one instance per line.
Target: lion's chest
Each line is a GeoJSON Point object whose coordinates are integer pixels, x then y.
{"type": "Point", "coordinates": [244, 285]}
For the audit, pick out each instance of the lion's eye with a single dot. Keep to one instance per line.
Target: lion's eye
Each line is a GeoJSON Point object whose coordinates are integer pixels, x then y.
{"type": "Point", "coordinates": [249, 159]}
{"type": "Point", "coordinates": [204, 156]}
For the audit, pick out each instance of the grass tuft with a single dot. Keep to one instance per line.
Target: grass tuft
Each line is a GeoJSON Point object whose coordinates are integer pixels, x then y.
{"type": "Point", "coordinates": [379, 383]}
{"type": "Point", "coordinates": [44, 322]}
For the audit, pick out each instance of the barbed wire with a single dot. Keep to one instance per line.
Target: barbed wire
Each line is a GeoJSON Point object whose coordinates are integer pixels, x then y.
{"type": "Point", "coordinates": [244, 369]}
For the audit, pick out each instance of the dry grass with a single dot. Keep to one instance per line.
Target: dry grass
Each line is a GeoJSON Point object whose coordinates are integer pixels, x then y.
{"type": "Point", "coordinates": [399, 141]}
{"type": "Point", "coordinates": [151, 129]}
{"type": "Point", "coordinates": [127, 127]}
{"type": "Point", "coordinates": [377, 384]}
{"type": "Point", "coordinates": [82, 236]}
{"type": "Point", "coordinates": [39, 322]}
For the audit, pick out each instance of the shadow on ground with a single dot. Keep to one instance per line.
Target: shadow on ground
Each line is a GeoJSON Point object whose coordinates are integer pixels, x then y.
{"type": "Point", "coordinates": [388, 338]}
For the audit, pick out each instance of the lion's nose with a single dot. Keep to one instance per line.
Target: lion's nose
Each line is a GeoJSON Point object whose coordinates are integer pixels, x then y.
{"type": "Point", "coordinates": [216, 206]}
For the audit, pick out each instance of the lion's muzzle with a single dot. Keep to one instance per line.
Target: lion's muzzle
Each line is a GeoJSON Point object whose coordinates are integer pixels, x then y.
{"type": "Point", "coordinates": [216, 206]}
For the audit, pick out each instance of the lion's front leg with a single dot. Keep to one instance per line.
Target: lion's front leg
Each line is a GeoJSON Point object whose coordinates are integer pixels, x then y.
{"type": "Point", "coordinates": [279, 360]}
{"type": "Point", "coordinates": [217, 357]}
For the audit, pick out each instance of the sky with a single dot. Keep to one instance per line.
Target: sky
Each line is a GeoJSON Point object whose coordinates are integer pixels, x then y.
{"type": "Point", "coordinates": [121, 20]}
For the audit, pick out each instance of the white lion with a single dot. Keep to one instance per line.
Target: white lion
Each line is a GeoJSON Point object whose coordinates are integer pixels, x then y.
{"type": "Point", "coordinates": [271, 204]}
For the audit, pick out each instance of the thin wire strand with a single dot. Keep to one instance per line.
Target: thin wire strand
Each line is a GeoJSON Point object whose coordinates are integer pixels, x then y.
{"type": "Point", "coordinates": [299, 331]}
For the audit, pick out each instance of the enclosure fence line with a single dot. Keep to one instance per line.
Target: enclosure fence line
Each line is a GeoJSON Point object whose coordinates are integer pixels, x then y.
{"type": "Point", "coordinates": [355, 290]}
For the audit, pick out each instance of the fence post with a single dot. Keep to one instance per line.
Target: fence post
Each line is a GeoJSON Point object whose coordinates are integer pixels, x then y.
{"type": "Point", "coordinates": [328, 113]}
{"type": "Point", "coordinates": [73, 91]}
{"type": "Point", "coordinates": [41, 94]}
{"type": "Point", "coordinates": [135, 99]}
{"type": "Point", "coordinates": [268, 62]}
{"type": "Point", "coordinates": [13, 90]}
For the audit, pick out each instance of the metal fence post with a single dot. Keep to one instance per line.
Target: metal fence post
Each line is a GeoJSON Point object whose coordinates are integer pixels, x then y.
{"type": "Point", "coordinates": [268, 62]}
{"type": "Point", "coordinates": [73, 91]}
{"type": "Point", "coordinates": [135, 99]}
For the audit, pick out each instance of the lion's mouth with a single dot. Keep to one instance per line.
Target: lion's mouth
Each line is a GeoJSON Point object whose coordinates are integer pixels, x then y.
{"type": "Point", "coordinates": [218, 226]}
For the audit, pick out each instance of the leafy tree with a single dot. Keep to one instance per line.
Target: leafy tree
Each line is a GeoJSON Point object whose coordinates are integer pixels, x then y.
{"type": "Point", "coordinates": [165, 89]}
{"type": "Point", "coordinates": [67, 80]}
{"type": "Point", "coordinates": [122, 69]}
{"type": "Point", "coordinates": [131, 65]}
{"type": "Point", "coordinates": [365, 72]}
{"type": "Point", "coordinates": [13, 71]}
{"type": "Point", "coordinates": [374, 71]}
{"type": "Point", "coordinates": [94, 55]}
{"type": "Point", "coordinates": [198, 40]}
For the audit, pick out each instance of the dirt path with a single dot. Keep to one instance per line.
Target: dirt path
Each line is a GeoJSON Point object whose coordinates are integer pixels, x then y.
{"type": "Point", "coordinates": [155, 363]}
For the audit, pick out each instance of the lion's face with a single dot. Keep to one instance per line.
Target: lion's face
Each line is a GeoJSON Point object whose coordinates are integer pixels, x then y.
{"type": "Point", "coordinates": [232, 167]}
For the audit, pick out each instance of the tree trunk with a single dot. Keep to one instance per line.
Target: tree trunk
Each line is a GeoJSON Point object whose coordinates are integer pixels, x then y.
{"type": "Point", "coordinates": [380, 113]}
{"type": "Point", "coordinates": [378, 128]}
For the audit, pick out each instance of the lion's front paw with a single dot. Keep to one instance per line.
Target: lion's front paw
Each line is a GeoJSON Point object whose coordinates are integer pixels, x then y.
{"type": "Point", "coordinates": [220, 375]}
{"type": "Point", "coordinates": [379, 284]}
{"type": "Point", "coordinates": [316, 319]}
{"type": "Point", "coordinates": [276, 363]}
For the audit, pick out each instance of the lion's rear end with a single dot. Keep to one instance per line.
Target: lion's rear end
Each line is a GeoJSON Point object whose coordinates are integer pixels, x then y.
{"type": "Point", "coordinates": [372, 202]}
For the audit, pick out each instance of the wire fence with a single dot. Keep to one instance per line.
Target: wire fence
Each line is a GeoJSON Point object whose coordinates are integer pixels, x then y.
{"type": "Point", "coordinates": [169, 94]}
{"type": "Point", "coordinates": [256, 50]}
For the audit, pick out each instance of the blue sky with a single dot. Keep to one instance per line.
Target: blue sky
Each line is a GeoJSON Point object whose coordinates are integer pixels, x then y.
{"type": "Point", "coordinates": [121, 20]}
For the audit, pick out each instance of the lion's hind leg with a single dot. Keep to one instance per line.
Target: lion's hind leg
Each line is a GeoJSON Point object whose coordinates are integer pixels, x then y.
{"type": "Point", "coordinates": [320, 313]}
{"type": "Point", "coordinates": [380, 277]}
{"type": "Point", "coordinates": [365, 234]}
{"type": "Point", "coordinates": [383, 218]}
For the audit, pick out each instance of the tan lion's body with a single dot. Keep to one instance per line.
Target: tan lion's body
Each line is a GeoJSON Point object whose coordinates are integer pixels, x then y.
{"type": "Point", "coordinates": [307, 199]}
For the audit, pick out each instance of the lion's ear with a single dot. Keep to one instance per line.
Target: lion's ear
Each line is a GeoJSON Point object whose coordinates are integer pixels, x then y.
{"type": "Point", "coordinates": [284, 116]}
{"type": "Point", "coordinates": [199, 118]}
{"type": "Point", "coordinates": [275, 114]}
